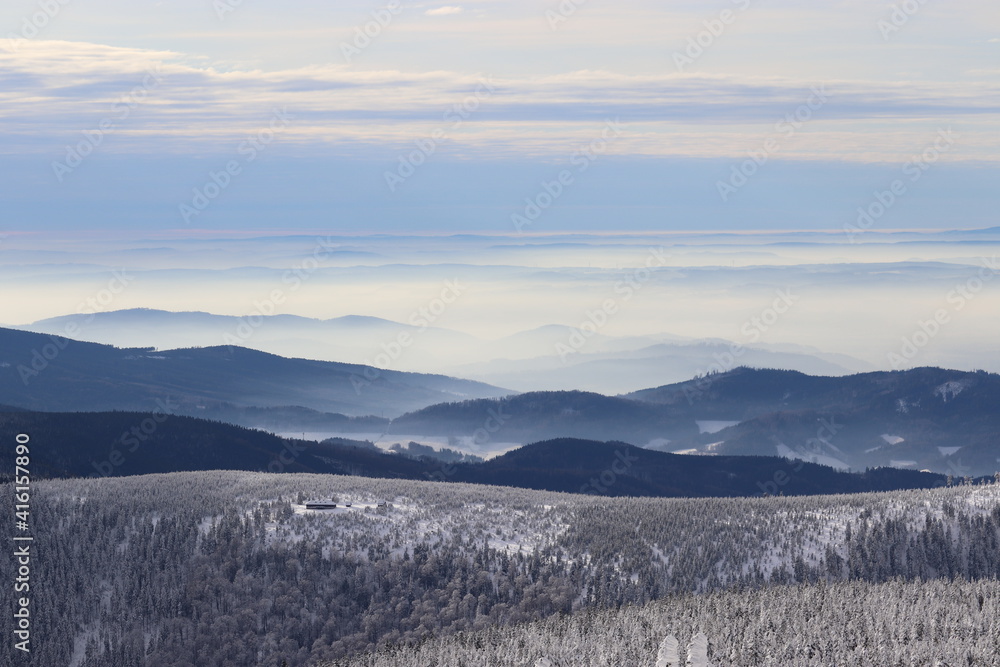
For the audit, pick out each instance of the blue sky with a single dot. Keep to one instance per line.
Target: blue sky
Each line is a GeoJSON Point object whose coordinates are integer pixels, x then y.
{"type": "Point", "coordinates": [131, 115]}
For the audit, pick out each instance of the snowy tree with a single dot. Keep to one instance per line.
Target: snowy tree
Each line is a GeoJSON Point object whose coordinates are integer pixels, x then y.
{"type": "Point", "coordinates": [698, 651]}
{"type": "Point", "coordinates": [669, 653]}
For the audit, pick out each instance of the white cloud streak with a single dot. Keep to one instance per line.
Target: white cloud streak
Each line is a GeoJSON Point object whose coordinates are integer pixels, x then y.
{"type": "Point", "coordinates": [51, 90]}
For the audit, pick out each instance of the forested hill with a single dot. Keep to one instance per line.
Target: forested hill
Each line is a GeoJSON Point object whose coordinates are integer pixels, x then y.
{"type": "Point", "coordinates": [43, 372]}
{"type": "Point", "coordinates": [744, 393]}
{"type": "Point", "coordinates": [90, 444]}
{"type": "Point", "coordinates": [231, 569]}
{"type": "Point", "coordinates": [128, 443]}
{"type": "Point", "coordinates": [541, 415]}
{"type": "Point", "coordinates": [942, 420]}
{"type": "Point", "coordinates": [619, 469]}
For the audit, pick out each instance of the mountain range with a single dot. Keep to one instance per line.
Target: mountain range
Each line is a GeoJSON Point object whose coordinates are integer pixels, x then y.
{"type": "Point", "coordinates": [926, 418]}
{"type": "Point", "coordinates": [549, 357]}
{"type": "Point", "coordinates": [114, 444]}
{"type": "Point", "coordinates": [943, 420]}
{"type": "Point", "coordinates": [934, 419]}
{"type": "Point", "coordinates": [54, 373]}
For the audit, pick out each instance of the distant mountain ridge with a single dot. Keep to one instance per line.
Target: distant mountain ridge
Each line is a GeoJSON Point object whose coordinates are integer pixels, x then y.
{"type": "Point", "coordinates": [54, 373]}
{"type": "Point", "coordinates": [549, 414]}
{"type": "Point", "coordinates": [944, 420]}
{"type": "Point", "coordinates": [525, 361]}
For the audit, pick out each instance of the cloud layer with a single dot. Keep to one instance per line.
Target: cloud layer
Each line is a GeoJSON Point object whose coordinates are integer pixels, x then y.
{"type": "Point", "coordinates": [162, 101]}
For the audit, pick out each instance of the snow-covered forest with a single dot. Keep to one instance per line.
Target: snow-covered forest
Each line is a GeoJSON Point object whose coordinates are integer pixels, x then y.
{"type": "Point", "coordinates": [893, 624]}
{"type": "Point", "coordinates": [227, 568]}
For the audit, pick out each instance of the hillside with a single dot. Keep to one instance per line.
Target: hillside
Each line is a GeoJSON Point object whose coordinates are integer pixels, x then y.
{"type": "Point", "coordinates": [126, 443]}
{"type": "Point", "coordinates": [739, 628]}
{"type": "Point", "coordinates": [231, 569]}
{"type": "Point", "coordinates": [943, 420]}
{"type": "Point", "coordinates": [117, 444]}
{"type": "Point", "coordinates": [525, 361]}
{"type": "Point", "coordinates": [619, 469]}
{"type": "Point", "coordinates": [549, 414]}
{"type": "Point", "coordinates": [43, 372]}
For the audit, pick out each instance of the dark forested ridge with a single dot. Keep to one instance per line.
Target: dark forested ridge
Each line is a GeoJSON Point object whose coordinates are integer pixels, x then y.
{"type": "Point", "coordinates": [90, 444]}
{"type": "Point", "coordinates": [54, 373]}
{"type": "Point", "coordinates": [228, 568]}
{"type": "Point", "coordinates": [926, 418]}
{"type": "Point", "coordinates": [127, 443]}
{"type": "Point", "coordinates": [542, 415]}
{"type": "Point", "coordinates": [943, 420]}
{"type": "Point", "coordinates": [619, 469]}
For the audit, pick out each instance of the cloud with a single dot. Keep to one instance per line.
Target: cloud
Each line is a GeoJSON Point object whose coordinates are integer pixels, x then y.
{"type": "Point", "coordinates": [55, 90]}
{"type": "Point", "coordinates": [444, 11]}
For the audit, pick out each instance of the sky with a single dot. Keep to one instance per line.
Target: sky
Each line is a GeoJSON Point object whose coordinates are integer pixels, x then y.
{"type": "Point", "coordinates": [498, 117]}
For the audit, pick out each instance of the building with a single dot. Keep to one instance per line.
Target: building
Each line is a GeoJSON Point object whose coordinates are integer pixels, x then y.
{"type": "Point", "coordinates": [320, 505]}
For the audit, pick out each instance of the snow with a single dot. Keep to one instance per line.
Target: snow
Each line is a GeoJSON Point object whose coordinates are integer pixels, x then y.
{"type": "Point", "coordinates": [80, 644]}
{"type": "Point", "coordinates": [901, 464]}
{"type": "Point", "coordinates": [340, 509]}
{"type": "Point", "coordinates": [892, 439]}
{"type": "Point", "coordinates": [948, 451]}
{"type": "Point", "coordinates": [714, 426]}
{"type": "Point", "coordinates": [949, 390]}
{"type": "Point", "coordinates": [464, 444]}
